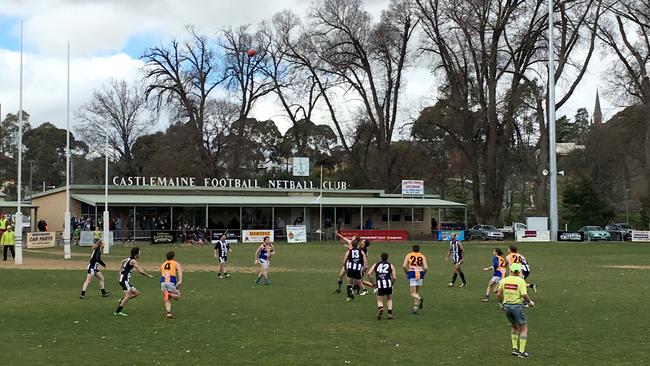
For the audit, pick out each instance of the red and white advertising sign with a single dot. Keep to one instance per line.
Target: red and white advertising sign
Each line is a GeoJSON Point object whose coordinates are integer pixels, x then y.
{"type": "Point", "coordinates": [412, 187]}
{"type": "Point", "coordinates": [533, 235]}
{"type": "Point", "coordinates": [376, 235]}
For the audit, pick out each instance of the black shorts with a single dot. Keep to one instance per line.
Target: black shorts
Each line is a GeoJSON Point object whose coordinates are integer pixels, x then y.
{"type": "Point", "coordinates": [126, 285]}
{"type": "Point", "coordinates": [525, 274]}
{"type": "Point", "coordinates": [384, 291]}
{"type": "Point", "coordinates": [92, 269]}
{"type": "Point", "coordinates": [354, 274]}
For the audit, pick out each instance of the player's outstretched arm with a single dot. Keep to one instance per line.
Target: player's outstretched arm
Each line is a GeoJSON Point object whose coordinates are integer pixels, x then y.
{"type": "Point", "coordinates": [140, 269]}
{"type": "Point", "coordinates": [346, 242]}
{"type": "Point", "coordinates": [405, 265]}
{"type": "Point", "coordinates": [216, 253]}
{"type": "Point", "coordinates": [424, 263]}
{"type": "Point", "coordinates": [393, 273]}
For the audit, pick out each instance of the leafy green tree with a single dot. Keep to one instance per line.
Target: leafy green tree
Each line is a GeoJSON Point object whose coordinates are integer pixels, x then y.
{"type": "Point", "coordinates": [250, 145]}
{"type": "Point", "coordinates": [573, 131]}
{"type": "Point", "coordinates": [8, 148]}
{"type": "Point", "coordinates": [45, 147]}
{"type": "Point", "coordinates": [583, 206]}
{"type": "Point", "coordinates": [306, 138]}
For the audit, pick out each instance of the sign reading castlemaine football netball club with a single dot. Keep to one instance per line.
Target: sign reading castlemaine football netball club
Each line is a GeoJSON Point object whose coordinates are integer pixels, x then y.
{"type": "Point", "coordinates": [304, 184]}
{"type": "Point", "coordinates": [413, 187]}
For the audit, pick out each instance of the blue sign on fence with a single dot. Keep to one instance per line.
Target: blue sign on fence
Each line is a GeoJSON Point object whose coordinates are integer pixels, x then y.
{"type": "Point", "coordinates": [445, 235]}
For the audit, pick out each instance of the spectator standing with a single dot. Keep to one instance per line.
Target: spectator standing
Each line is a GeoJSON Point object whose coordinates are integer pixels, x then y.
{"type": "Point", "coordinates": [8, 242]}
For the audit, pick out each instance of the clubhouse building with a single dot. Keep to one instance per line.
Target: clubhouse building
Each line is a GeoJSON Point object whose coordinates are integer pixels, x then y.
{"type": "Point", "coordinates": [146, 204]}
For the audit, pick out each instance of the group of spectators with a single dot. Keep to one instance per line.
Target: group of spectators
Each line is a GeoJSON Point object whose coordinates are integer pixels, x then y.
{"type": "Point", "coordinates": [77, 225]}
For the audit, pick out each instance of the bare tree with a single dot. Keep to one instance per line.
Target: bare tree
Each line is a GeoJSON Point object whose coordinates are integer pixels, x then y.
{"type": "Point", "coordinates": [627, 33]}
{"type": "Point", "coordinates": [246, 61]}
{"type": "Point", "coordinates": [488, 53]}
{"type": "Point", "coordinates": [368, 60]}
{"type": "Point", "coordinates": [181, 78]}
{"type": "Point", "coordinates": [121, 110]}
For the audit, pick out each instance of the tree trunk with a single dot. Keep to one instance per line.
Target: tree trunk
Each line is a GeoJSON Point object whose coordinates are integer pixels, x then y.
{"type": "Point", "coordinates": [541, 197]}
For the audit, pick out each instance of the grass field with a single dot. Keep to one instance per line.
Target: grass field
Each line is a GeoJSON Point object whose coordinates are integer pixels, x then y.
{"type": "Point", "coordinates": [588, 313]}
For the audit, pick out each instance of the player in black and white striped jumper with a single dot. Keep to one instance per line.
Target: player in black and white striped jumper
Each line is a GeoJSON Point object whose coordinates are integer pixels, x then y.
{"type": "Point", "coordinates": [93, 270]}
{"type": "Point", "coordinates": [457, 254]}
{"type": "Point", "coordinates": [354, 261]}
{"type": "Point", "coordinates": [385, 277]}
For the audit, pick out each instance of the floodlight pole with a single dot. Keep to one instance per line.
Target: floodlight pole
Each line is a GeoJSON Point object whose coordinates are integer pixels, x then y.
{"type": "Point", "coordinates": [106, 216]}
{"type": "Point", "coordinates": [18, 222]}
{"type": "Point", "coordinates": [66, 217]}
{"type": "Point", "coordinates": [320, 204]}
{"type": "Point", "coordinates": [551, 126]}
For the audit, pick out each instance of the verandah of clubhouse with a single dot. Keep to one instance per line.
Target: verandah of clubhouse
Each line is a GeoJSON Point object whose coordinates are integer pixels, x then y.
{"type": "Point", "coordinates": [237, 209]}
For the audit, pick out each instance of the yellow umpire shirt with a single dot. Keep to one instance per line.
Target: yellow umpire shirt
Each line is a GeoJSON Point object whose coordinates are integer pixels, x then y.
{"type": "Point", "coordinates": [514, 289]}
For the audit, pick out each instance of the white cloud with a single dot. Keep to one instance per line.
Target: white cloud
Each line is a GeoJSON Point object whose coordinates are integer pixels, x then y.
{"type": "Point", "coordinates": [44, 95]}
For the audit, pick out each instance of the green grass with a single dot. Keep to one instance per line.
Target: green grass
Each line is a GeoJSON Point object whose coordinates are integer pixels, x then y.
{"type": "Point", "coordinates": [586, 314]}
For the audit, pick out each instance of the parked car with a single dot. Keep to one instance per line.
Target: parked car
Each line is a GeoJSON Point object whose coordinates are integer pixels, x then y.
{"type": "Point", "coordinates": [620, 231]}
{"type": "Point", "coordinates": [513, 229]}
{"type": "Point", "coordinates": [485, 232]}
{"type": "Point", "coordinates": [594, 233]}
{"type": "Point", "coordinates": [451, 226]}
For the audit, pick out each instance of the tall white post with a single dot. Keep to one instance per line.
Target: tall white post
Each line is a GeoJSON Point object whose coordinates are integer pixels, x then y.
{"type": "Point", "coordinates": [106, 217]}
{"type": "Point", "coordinates": [18, 222]}
{"type": "Point", "coordinates": [320, 205]}
{"type": "Point", "coordinates": [66, 217]}
{"type": "Point", "coordinates": [551, 125]}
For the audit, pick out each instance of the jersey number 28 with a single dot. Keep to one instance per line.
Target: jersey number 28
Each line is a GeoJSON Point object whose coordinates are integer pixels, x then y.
{"type": "Point", "coordinates": [416, 261]}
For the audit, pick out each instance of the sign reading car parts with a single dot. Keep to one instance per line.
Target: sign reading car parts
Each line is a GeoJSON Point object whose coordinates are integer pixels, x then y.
{"type": "Point", "coordinates": [40, 240]}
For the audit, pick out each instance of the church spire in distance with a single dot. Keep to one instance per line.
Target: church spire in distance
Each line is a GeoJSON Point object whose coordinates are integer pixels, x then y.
{"type": "Point", "coordinates": [598, 115]}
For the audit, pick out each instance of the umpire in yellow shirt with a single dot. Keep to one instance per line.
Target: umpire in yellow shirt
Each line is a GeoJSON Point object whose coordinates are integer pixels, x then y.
{"type": "Point", "coordinates": [512, 293]}
{"type": "Point", "coordinates": [8, 241]}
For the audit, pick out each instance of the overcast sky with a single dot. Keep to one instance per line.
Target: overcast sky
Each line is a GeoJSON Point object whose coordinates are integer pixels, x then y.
{"type": "Point", "coordinates": [108, 36]}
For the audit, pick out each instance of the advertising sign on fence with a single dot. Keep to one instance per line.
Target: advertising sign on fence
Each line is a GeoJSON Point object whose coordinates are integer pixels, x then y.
{"type": "Point", "coordinates": [231, 237]}
{"type": "Point", "coordinates": [445, 235]}
{"type": "Point", "coordinates": [163, 237]}
{"type": "Point", "coordinates": [640, 235]}
{"type": "Point", "coordinates": [256, 236]}
{"type": "Point", "coordinates": [40, 240]}
{"type": "Point", "coordinates": [377, 235]}
{"type": "Point", "coordinates": [86, 238]}
{"type": "Point", "coordinates": [569, 236]}
{"type": "Point", "coordinates": [533, 236]}
{"type": "Point", "coordinates": [296, 234]}
{"type": "Point", "coordinates": [412, 187]}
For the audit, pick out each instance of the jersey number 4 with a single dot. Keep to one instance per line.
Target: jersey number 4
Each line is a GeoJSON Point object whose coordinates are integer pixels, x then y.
{"type": "Point", "coordinates": [416, 261]}
{"type": "Point", "coordinates": [168, 266]}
